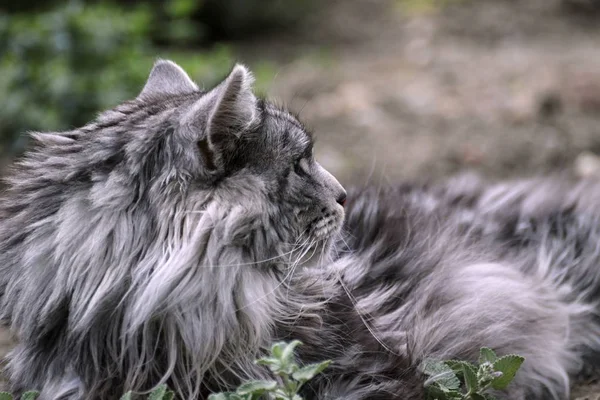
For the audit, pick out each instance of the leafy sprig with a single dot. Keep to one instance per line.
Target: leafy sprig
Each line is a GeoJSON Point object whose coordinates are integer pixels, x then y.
{"type": "Point", "coordinates": [446, 380]}
{"type": "Point", "coordinates": [289, 376]}
{"type": "Point", "coordinates": [461, 380]}
{"type": "Point", "coordinates": [30, 395]}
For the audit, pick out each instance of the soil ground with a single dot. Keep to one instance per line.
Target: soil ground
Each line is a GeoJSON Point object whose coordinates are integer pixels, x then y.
{"type": "Point", "coordinates": [503, 87]}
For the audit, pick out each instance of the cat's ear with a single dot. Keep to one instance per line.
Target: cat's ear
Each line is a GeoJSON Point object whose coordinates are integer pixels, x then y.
{"type": "Point", "coordinates": [234, 108]}
{"type": "Point", "coordinates": [227, 112]}
{"type": "Point", "coordinates": [167, 78]}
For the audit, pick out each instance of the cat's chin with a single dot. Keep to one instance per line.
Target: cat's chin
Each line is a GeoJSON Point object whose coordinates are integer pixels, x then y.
{"type": "Point", "coordinates": [318, 254]}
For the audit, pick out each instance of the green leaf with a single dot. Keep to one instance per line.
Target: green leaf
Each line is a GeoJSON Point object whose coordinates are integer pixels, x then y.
{"type": "Point", "coordinates": [435, 393]}
{"type": "Point", "coordinates": [489, 397]}
{"type": "Point", "coordinates": [217, 396]}
{"type": "Point", "coordinates": [30, 395]}
{"type": "Point", "coordinates": [440, 374]}
{"type": "Point", "coordinates": [277, 349]}
{"type": "Point", "coordinates": [256, 387]}
{"type": "Point", "coordinates": [181, 8]}
{"type": "Point", "coordinates": [487, 354]}
{"type": "Point", "coordinates": [457, 366]}
{"type": "Point", "coordinates": [126, 396]}
{"type": "Point", "coordinates": [224, 396]}
{"type": "Point", "coordinates": [274, 364]}
{"type": "Point", "coordinates": [470, 378]}
{"type": "Point", "coordinates": [309, 371]}
{"type": "Point", "coordinates": [169, 395]}
{"type": "Point", "coordinates": [508, 365]}
{"type": "Point", "coordinates": [476, 396]}
{"type": "Point", "coordinates": [281, 395]}
{"type": "Point", "coordinates": [268, 361]}
{"type": "Point", "coordinates": [288, 350]}
{"type": "Point", "coordinates": [6, 396]}
{"type": "Point", "coordinates": [158, 393]}
{"type": "Point", "coordinates": [292, 386]}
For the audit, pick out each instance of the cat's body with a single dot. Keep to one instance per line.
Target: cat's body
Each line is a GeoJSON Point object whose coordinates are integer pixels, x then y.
{"type": "Point", "coordinates": [441, 270]}
{"type": "Point", "coordinates": [179, 235]}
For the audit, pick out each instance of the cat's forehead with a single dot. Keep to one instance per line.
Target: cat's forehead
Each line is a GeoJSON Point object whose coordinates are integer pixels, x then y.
{"type": "Point", "coordinates": [285, 127]}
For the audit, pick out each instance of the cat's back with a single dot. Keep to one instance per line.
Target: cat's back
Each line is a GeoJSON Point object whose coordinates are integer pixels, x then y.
{"type": "Point", "coordinates": [469, 208]}
{"type": "Point", "coordinates": [437, 270]}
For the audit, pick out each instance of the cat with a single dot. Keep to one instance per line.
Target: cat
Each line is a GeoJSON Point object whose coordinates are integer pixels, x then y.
{"type": "Point", "coordinates": [177, 236]}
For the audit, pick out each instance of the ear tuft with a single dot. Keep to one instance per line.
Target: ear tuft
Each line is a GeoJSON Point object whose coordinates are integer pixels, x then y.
{"type": "Point", "coordinates": [240, 73]}
{"type": "Point", "coordinates": [167, 78]}
{"type": "Point", "coordinates": [235, 106]}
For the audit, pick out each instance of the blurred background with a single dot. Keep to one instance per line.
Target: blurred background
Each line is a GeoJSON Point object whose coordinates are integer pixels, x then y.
{"type": "Point", "coordinates": [393, 89]}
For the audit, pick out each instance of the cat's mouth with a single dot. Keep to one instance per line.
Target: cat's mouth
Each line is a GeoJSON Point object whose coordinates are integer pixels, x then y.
{"type": "Point", "coordinates": [326, 227]}
{"type": "Point", "coordinates": [318, 236]}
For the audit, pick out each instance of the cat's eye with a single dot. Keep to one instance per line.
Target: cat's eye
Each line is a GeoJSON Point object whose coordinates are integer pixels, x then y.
{"type": "Point", "coordinates": [299, 166]}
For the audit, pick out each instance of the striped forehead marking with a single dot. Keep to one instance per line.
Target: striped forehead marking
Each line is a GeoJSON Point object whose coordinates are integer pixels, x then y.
{"type": "Point", "coordinates": [298, 134]}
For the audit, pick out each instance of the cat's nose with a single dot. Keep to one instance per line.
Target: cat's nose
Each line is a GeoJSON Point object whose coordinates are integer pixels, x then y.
{"type": "Point", "coordinates": [341, 199]}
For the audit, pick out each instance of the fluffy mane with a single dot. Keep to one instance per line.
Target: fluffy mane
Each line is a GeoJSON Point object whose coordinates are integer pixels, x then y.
{"type": "Point", "coordinates": [143, 248]}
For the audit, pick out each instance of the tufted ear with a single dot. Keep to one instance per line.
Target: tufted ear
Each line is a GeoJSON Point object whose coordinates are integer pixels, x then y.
{"type": "Point", "coordinates": [167, 78]}
{"type": "Point", "coordinates": [225, 112]}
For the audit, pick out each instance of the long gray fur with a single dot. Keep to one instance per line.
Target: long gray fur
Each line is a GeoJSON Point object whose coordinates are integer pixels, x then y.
{"type": "Point", "coordinates": [174, 238]}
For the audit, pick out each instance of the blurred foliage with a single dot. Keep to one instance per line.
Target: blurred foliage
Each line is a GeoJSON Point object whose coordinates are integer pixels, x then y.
{"type": "Point", "coordinates": [412, 7]}
{"type": "Point", "coordinates": [63, 63]}
{"type": "Point", "coordinates": [235, 19]}
{"type": "Point", "coordinates": [60, 67]}
{"type": "Point", "coordinates": [198, 21]}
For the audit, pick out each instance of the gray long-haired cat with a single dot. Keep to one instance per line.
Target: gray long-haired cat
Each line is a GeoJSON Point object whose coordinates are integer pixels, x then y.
{"type": "Point", "coordinates": [181, 233]}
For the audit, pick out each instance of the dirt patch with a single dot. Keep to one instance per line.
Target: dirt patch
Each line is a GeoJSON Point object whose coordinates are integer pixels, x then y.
{"type": "Point", "coordinates": [502, 87]}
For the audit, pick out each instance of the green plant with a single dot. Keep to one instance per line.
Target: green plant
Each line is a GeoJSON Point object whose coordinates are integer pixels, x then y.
{"type": "Point", "coordinates": [185, 22]}
{"type": "Point", "coordinates": [444, 381]}
{"type": "Point", "coordinates": [461, 380]}
{"type": "Point", "coordinates": [289, 377]}
{"type": "Point", "coordinates": [61, 66]}
{"type": "Point", "coordinates": [161, 392]}
{"type": "Point", "coordinates": [419, 7]}
{"type": "Point", "coordinates": [30, 395]}
{"type": "Point", "coordinates": [239, 19]}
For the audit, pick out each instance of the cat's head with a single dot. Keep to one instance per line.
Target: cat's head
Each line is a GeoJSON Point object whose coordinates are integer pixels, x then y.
{"type": "Point", "coordinates": [242, 163]}
{"type": "Point", "coordinates": [255, 159]}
